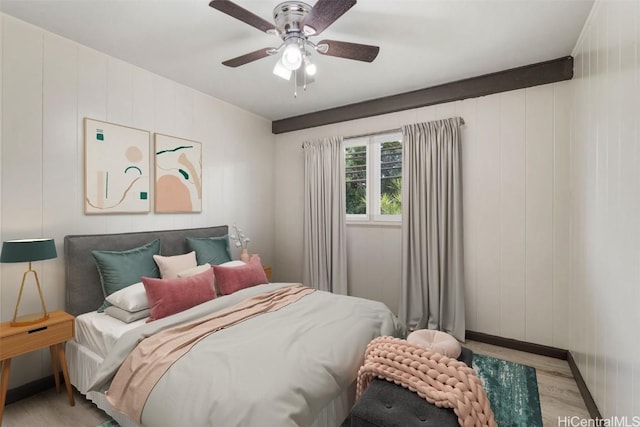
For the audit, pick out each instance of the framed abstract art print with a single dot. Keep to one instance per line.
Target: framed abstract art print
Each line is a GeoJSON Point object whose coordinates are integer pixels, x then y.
{"type": "Point", "coordinates": [178, 163]}
{"type": "Point", "coordinates": [117, 166]}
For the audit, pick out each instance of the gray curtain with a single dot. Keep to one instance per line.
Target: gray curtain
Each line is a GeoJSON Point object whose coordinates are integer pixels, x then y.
{"type": "Point", "coordinates": [432, 294]}
{"type": "Point", "coordinates": [325, 241]}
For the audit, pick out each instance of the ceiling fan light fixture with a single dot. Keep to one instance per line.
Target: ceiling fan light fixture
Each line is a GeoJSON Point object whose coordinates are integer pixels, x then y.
{"type": "Point", "coordinates": [292, 56]}
{"type": "Point", "coordinates": [309, 67]}
{"type": "Point", "coordinates": [281, 71]}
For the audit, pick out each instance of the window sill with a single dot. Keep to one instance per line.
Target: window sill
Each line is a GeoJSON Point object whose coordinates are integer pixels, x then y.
{"type": "Point", "coordinates": [396, 224]}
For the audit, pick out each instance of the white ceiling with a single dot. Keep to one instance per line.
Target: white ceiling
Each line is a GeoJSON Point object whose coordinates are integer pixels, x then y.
{"type": "Point", "coordinates": [422, 43]}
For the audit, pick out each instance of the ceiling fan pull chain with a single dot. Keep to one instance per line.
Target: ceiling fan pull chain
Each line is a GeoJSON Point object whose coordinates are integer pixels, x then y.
{"type": "Point", "coordinates": [304, 74]}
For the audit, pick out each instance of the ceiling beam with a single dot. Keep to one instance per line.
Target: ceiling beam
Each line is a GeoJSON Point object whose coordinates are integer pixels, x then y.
{"type": "Point", "coordinates": [516, 78]}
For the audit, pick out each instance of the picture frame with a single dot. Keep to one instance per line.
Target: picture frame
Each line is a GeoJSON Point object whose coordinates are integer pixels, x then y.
{"type": "Point", "coordinates": [178, 175]}
{"type": "Point", "coordinates": [117, 168]}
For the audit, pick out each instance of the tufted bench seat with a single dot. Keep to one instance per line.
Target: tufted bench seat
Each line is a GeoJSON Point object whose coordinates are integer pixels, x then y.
{"type": "Point", "coordinates": [385, 404]}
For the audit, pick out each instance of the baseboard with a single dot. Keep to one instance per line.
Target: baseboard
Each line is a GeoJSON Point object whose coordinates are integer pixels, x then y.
{"type": "Point", "coordinates": [29, 389]}
{"type": "Point", "coordinates": [594, 412]}
{"type": "Point", "coordinates": [544, 350]}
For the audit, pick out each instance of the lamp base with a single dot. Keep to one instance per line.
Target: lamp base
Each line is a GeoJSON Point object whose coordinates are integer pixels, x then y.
{"type": "Point", "coordinates": [29, 319]}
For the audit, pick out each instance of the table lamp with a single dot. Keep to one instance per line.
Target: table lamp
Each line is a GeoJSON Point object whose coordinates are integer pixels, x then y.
{"type": "Point", "coordinates": [28, 250]}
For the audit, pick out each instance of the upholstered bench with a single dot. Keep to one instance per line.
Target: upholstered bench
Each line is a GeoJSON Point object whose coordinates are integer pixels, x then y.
{"type": "Point", "coordinates": [385, 404]}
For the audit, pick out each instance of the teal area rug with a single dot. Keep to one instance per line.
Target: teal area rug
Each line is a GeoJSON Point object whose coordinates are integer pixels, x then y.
{"type": "Point", "coordinates": [512, 390]}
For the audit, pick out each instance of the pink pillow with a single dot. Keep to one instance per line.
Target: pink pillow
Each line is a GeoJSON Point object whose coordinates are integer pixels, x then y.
{"type": "Point", "coordinates": [232, 279]}
{"type": "Point", "coordinates": [170, 296]}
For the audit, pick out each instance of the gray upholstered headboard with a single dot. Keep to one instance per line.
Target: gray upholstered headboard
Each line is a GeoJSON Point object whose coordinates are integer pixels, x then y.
{"type": "Point", "coordinates": [83, 289]}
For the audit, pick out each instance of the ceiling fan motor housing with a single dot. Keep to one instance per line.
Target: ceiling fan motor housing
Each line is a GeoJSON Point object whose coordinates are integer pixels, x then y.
{"type": "Point", "coordinates": [289, 17]}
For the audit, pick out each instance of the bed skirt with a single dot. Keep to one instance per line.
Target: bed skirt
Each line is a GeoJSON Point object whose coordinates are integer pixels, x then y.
{"type": "Point", "coordinates": [83, 364]}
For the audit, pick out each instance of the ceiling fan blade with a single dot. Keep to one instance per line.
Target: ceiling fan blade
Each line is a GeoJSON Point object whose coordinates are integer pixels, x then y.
{"type": "Point", "coordinates": [249, 57]}
{"type": "Point", "coordinates": [325, 13]}
{"type": "Point", "coordinates": [235, 11]}
{"type": "Point", "coordinates": [357, 51]}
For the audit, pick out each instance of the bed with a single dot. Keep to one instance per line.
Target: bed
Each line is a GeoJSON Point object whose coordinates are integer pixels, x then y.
{"type": "Point", "coordinates": [292, 367]}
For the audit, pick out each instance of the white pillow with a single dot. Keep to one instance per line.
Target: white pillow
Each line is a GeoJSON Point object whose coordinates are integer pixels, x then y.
{"type": "Point", "coordinates": [131, 298]}
{"type": "Point", "coordinates": [170, 266]}
{"type": "Point", "coordinates": [195, 270]}
{"type": "Point", "coordinates": [437, 341]}
{"type": "Point", "coordinates": [126, 316]}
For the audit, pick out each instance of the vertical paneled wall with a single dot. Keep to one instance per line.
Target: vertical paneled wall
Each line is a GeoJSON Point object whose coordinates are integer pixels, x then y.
{"type": "Point", "coordinates": [516, 212]}
{"type": "Point", "coordinates": [49, 84]}
{"type": "Point", "coordinates": [605, 232]}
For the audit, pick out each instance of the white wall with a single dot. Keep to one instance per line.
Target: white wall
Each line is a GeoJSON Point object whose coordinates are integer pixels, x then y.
{"type": "Point", "coordinates": [49, 84]}
{"type": "Point", "coordinates": [605, 171]}
{"type": "Point", "coordinates": [516, 212]}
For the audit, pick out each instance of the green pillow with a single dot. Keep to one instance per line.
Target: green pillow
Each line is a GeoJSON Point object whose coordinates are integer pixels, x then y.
{"type": "Point", "coordinates": [212, 250]}
{"type": "Point", "coordinates": [121, 269]}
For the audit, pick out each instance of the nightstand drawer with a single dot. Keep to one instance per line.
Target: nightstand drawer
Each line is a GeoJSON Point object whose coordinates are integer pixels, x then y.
{"type": "Point", "coordinates": [35, 338]}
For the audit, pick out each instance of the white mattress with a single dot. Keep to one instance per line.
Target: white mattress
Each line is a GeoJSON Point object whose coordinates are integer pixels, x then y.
{"type": "Point", "coordinates": [99, 332]}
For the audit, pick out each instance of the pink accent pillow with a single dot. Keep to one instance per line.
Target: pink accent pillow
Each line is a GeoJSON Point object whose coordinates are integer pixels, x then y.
{"type": "Point", "coordinates": [170, 296]}
{"type": "Point", "coordinates": [232, 279]}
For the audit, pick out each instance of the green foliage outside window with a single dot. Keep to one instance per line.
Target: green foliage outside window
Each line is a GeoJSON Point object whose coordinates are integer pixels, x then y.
{"type": "Point", "coordinates": [389, 162]}
{"type": "Point", "coordinates": [391, 200]}
{"type": "Point", "coordinates": [391, 178]}
{"type": "Point", "coordinates": [356, 179]}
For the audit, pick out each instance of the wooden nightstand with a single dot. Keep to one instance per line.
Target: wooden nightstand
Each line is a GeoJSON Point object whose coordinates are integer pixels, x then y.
{"type": "Point", "coordinates": [52, 333]}
{"type": "Point", "coordinates": [267, 271]}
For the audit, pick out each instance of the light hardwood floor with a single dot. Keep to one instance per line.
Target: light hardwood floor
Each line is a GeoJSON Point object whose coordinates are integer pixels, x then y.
{"type": "Point", "coordinates": [52, 409]}
{"type": "Point", "coordinates": [559, 396]}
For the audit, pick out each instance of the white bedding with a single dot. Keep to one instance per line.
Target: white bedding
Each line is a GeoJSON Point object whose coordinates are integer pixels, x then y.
{"type": "Point", "coordinates": [83, 364]}
{"type": "Point", "coordinates": [99, 332]}
{"type": "Point", "coordinates": [97, 335]}
{"type": "Point", "coordinates": [302, 356]}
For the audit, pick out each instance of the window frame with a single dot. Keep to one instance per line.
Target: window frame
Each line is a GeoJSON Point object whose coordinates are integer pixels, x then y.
{"type": "Point", "coordinates": [359, 142]}
{"type": "Point", "coordinates": [373, 144]}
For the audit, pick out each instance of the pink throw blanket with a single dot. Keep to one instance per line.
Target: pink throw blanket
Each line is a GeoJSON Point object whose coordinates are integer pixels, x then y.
{"type": "Point", "coordinates": [444, 382]}
{"type": "Point", "coordinates": [148, 362]}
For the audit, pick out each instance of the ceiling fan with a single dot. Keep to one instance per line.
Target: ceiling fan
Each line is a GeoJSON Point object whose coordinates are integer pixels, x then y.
{"type": "Point", "coordinates": [294, 23]}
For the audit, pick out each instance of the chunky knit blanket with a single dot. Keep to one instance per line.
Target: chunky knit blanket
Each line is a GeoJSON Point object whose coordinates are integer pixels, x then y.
{"type": "Point", "coordinates": [444, 382]}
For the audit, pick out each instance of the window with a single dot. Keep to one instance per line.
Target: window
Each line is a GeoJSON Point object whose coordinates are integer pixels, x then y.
{"type": "Point", "coordinates": [373, 175]}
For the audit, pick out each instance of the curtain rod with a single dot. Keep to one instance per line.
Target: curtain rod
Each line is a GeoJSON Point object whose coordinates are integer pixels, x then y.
{"type": "Point", "coordinates": [374, 133]}
{"type": "Point", "coordinates": [384, 131]}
